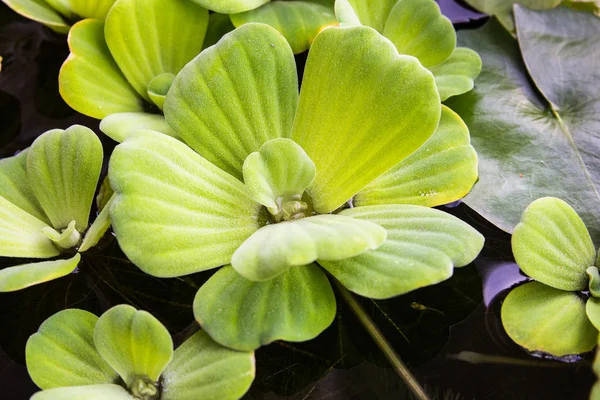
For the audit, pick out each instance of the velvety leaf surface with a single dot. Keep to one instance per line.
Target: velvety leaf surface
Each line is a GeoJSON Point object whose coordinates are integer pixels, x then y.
{"type": "Point", "coordinates": [441, 171]}
{"type": "Point", "coordinates": [90, 81]}
{"type": "Point", "coordinates": [418, 28]}
{"type": "Point", "coordinates": [541, 318]}
{"type": "Point", "coordinates": [21, 234]}
{"type": "Point", "coordinates": [552, 245]}
{"type": "Point", "coordinates": [91, 9]}
{"type": "Point", "coordinates": [68, 238]}
{"type": "Point", "coordinates": [63, 169]}
{"type": "Point", "coordinates": [527, 147]}
{"type": "Point", "coordinates": [176, 33]}
{"type": "Point", "coordinates": [230, 6]}
{"type": "Point", "coordinates": [63, 7]}
{"type": "Point", "coordinates": [159, 87]}
{"type": "Point", "coordinates": [25, 275]}
{"type": "Point", "coordinates": [594, 278]}
{"type": "Point", "coordinates": [235, 96]}
{"type": "Point", "coordinates": [274, 248]}
{"type": "Point", "coordinates": [363, 108]}
{"type": "Point", "coordinates": [294, 306]}
{"type": "Point", "coordinates": [218, 25]}
{"type": "Point", "coordinates": [422, 248]}
{"type": "Point", "coordinates": [456, 75]}
{"type": "Point", "coordinates": [277, 172]}
{"type": "Point", "coordinates": [62, 352]}
{"type": "Point", "coordinates": [15, 187]}
{"type": "Point", "coordinates": [40, 11]}
{"type": "Point", "coordinates": [88, 392]}
{"type": "Point", "coordinates": [503, 9]}
{"type": "Point", "coordinates": [592, 309]}
{"type": "Point", "coordinates": [133, 343]}
{"type": "Point", "coordinates": [119, 126]}
{"type": "Point", "coordinates": [298, 21]}
{"type": "Point", "coordinates": [373, 13]}
{"type": "Point", "coordinates": [97, 229]}
{"type": "Point", "coordinates": [174, 212]}
{"type": "Point", "coordinates": [203, 369]}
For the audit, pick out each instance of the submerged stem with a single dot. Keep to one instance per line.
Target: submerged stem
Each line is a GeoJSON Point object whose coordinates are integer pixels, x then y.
{"type": "Point", "coordinates": [382, 343]}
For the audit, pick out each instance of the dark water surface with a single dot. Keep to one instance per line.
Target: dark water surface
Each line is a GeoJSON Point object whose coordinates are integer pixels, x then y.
{"type": "Point", "coordinates": [450, 334]}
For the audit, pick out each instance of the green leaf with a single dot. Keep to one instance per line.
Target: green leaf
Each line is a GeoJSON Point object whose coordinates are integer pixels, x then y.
{"type": "Point", "coordinates": [418, 28]}
{"type": "Point", "coordinates": [528, 148]}
{"type": "Point", "coordinates": [119, 126]}
{"type": "Point", "coordinates": [235, 96]}
{"type": "Point", "coordinates": [88, 392]}
{"type": "Point", "coordinates": [98, 228]}
{"type": "Point", "coordinates": [62, 352]}
{"type": "Point", "coordinates": [21, 234]}
{"type": "Point", "coordinates": [278, 172]}
{"type": "Point", "coordinates": [363, 108]}
{"type": "Point", "coordinates": [298, 21]}
{"type": "Point", "coordinates": [15, 187]}
{"type": "Point", "coordinates": [68, 238]}
{"type": "Point", "coordinates": [174, 212]}
{"type": "Point", "coordinates": [456, 75]}
{"type": "Point", "coordinates": [373, 13]}
{"type": "Point", "coordinates": [203, 369]}
{"type": "Point", "coordinates": [176, 35]}
{"type": "Point", "coordinates": [594, 277]}
{"type": "Point", "coordinates": [218, 26]}
{"type": "Point", "coordinates": [422, 247]}
{"type": "Point", "coordinates": [295, 306]}
{"type": "Point", "coordinates": [97, 9]}
{"type": "Point", "coordinates": [502, 10]}
{"type": "Point", "coordinates": [592, 309]}
{"type": "Point", "coordinates": [90, 81]}
{"type": "Point", "coordinates": [133, 343]}
{"type": "Point", "coordinates": [63, 7]}
{"type": "Point", "coordinates": [441, 171]}
{"type": "Point", "coordinates": [541, 318]}
{"type": "Point", "coordinates": [230, 6]}
{"type": "Point", "coordinates": [40, 11]}
{"type": "Point", "coordinates": [274, 248]}
{"type": "Point", "coordinates": [25, 275]}
{"type": "Point", "coordinates": [63, 169]}
{"type": "Point", "coordinates": [552, 245]}
{"type": "Point", "coordinates": [159, 87]}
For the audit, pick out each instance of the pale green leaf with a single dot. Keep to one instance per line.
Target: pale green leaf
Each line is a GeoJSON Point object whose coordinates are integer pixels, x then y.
{"type": "Point", "coordinates": [63, 7]}
{"type": "Point", "coordinates": [90, 81]}
{"type": "Point", "coordinates": [68, 238]}
{"type": "Point", "coordinates": [594, 277]}
{"type": "Point", "coordinates": [175, 36]}
{"type": "Point", "coordinates": [62, 352]}
{"type": "Point", "coordinates": [541, 318]}
{"type": "Point", "coordinates": [40, 11]}
{"type": "Point", "coordinates": [218, 26]}
{"type": "Point", "coordinates": [133, 343]}
{"type": "Point", "coordinates": [422, 247]}
{"type": "Point", "coordinates": [91, 9]}
{"type": "Point", "coordinates": [552, 245]}
{"type": "Point", "coordinates": [21, 234]}
{"type": "Point", "coordinates": [373, 13]}
{"type": "Point", "coordinates": [25, 275]}
{"type": "Point", "coordinates": [203, 369]}
{"type": "Point", "coordinates": [98, 228]}
{"type": "Point", "coordinates": [278, 172]}
{"type": "Point", "coordinates": [363, 108]}
{"type": "Point", "coordinates": [159, 87]}
{"type": "Point", "coordinates": [456, 75]}
{"type": "Point", "coordinates": [120, 125]}
{"type": "Point", "coordinates": [63, 169]}
{"type": "Point", "coordinates": [592, 309]}
{"type": "Point", "coordinates": [235, 96]}
{"type": "Point", "coordinates": [295, 306]}
{"type": "Point", "coordinates": [88, 392]}
{"type": "Point", "coordinates": [230, 6]}
{"type": "Point", "coordinates": [15, 187]}
{"type": "Point", "coordinates": [174, 212]}
{"type": "Point", "coordinates": [503, 9]}
{"type": "Point", "coordinates": [274, 248]}
{"type": "Point", "coordinates": [298, 21]}
{"type": "Point", "coordinates": [441, 171]}
{"type": "Point", "coordinates": [418, 28]}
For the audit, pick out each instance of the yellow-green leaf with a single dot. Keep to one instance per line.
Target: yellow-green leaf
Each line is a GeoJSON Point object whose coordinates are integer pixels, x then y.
{"type": "Point", "coordinates": [25, 275]}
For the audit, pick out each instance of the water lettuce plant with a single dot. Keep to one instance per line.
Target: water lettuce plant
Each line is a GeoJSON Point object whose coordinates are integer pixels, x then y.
{"type": "Point", "coordinates": [551, 314]}
{"type": "Point", "coordinates": [128, 354]}
{"type": "Point", "coordinates": [418, 28]}
{"type": "Point", "coordinates": [59, 14]}
{"type": "Point", "coordinates": [280, 185]}
{"type": "Point", "coordinates": [127, 80]}
{"type": "Point", "coordinates": [46, 194]}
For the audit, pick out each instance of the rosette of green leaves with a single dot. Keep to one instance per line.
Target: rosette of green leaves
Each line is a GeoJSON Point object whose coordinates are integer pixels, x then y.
{"type": "Point", "coordinates": [59, 14]}
{"type": "Point", "coordinates": [551, 314]}
{"type": "Point", "coordinates": [120, 70]}
{"type": "Point", "coordinates": [46, 194]}
{"type": "Point", "coordinates": [128, 354]}
{"type": "Point", "coordinates": [418, 28]}
{"type": "Point", "coordinates": [265, 178]}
